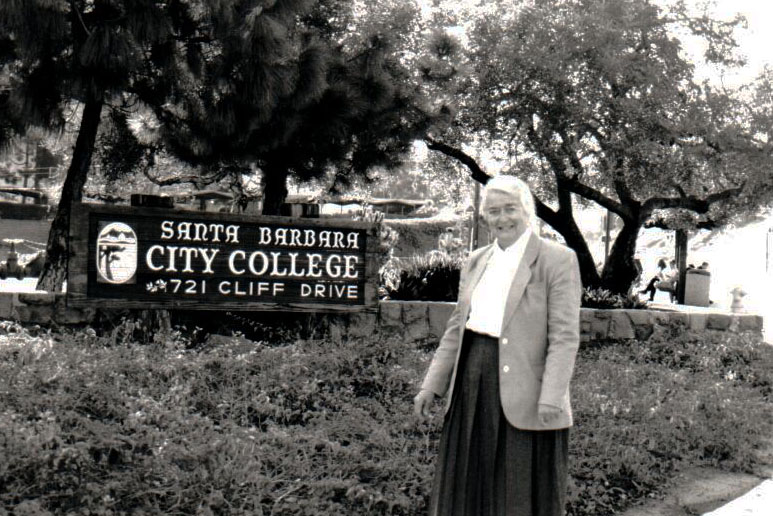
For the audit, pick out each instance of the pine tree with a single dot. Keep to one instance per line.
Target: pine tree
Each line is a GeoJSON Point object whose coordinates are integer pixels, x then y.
{"type": "Point", "coordinates": [234, 83]}
{"type": "Point", "coordinates": [93, 54]}
{"type": "Point", "coordinates": [298, 101]}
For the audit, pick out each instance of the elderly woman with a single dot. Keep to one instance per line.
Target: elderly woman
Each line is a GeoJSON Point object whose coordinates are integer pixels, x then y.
{"type": "Point", "coordinates": [504, 363]}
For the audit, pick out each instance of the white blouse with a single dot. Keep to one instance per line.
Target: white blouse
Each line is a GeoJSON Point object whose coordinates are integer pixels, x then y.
{"type": "Point", "coordinates": [487, 305]}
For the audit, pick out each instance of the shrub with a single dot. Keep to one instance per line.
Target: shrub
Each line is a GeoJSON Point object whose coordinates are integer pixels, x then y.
{"type": "Point", "coordinates": [417, 236]}
{"type": "Point", "coordinates": [606, 299]}
{"type": "Point", "coordinates": [431, 277]}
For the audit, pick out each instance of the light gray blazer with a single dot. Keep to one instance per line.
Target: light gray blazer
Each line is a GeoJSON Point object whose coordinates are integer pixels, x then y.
{"type": "Point", "coordinates": [540, 334]}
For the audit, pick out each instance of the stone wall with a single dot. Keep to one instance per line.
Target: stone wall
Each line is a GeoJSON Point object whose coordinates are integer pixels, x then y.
{"type": "Point", "coordinates": [39, 308]}
{"type": "Point", "coordinates": [425, 322]}
{"type": "Point", "coordinates": [416, 322]}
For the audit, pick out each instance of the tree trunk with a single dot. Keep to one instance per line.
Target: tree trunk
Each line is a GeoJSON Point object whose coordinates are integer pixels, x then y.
{"type": "Point", "coordinates": [55, 267]}
{"type": "Point", "coordinates": [682, 238]}
{"type": "Point", "coordinates": [566, 226]}
{"type": "Point", "coordinates": [574, 239]}
{"type": "Point", "coordinates": [274, 189]}
{"type": "Point", "coordinates": [620, 271]}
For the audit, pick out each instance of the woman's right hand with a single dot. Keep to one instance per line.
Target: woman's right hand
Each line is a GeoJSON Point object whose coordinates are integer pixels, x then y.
{"type": "Point", "coordinates": [422, 403]}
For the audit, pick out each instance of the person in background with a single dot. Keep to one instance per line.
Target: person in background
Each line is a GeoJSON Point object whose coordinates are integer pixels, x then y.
{"type": "Point", "coordinates": [672, 279]}
{"type": "Point", "coordinates": [639, 272]}
{"type": "Point", "coordinates": [504, 364]}
{"type": "Point", "coordinates": [659, 276]}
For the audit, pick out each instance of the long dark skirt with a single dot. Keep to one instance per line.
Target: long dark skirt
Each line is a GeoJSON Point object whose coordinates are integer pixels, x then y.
{"type": "Point", "coordinates": [485, 466]}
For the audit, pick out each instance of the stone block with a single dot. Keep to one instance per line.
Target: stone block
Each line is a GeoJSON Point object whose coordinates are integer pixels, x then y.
{"type": "Point", "coordinates": [644, 331]}
{"type": "Point", "coordinates": [41, 314]}
{"type": "Point", "coordinates": [698, 321]}
{"type": "Point", "coordinates": [70, 315]}
{"type": "Point", "coordinates": [681, 318]}
{"type": "Point", "coordinates": [390, 314]}
{"type": "Point", "coordinates": [416, 322]}
{"type": "Point", "coordinates": [718, 322]}
{"type": "Point", "coordinates": [6, 305]}
{"type": "Point", "coordinates": [599, 329]}
{"type": "Point", "coordinates": [362, 325]}
{"type": "Point", "coordinates": [585, 329]}
{"type": "Point", "coordinates": [587, 314]}
{"type": "Point", "coordinates": [36, 298]}
{"type": "Point", "coordinates": [638, 317]}
{"type": "Point", "coordinates": [437, 316]}
{"type": "Point", "coordinates": [620, 326]}
{"type": "Point", "coordinates": [662, 317]}
{"type": "Point", "coordinates": [750, 322]}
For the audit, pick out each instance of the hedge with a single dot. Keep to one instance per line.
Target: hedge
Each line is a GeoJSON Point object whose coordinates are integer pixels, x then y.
{"type": "Point", "coordinates": [419, 236]}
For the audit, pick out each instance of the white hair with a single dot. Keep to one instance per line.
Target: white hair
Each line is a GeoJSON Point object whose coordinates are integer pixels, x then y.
{"type": "Point", "coordinates": [518, 189]}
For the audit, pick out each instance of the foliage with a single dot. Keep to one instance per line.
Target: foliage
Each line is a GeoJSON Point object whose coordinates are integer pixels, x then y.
{"type": "Point", "coordinates": [76, 58]}
{"type": "Point", "coordinates": [420, 235]}
{"type": "Point", "coordinates": [237, 428]}
{"type": "Point", "coordinates": [597, 101]}
{"type": "Point", "coordinates": [228, 86]}
{"type": "Point", "coordinates": [606, 299]}
{"type": "Point", "coordinates": [430, 277]}
{"type": "Point", "coordinates": [646, 410]}
{"type": "Point", "coordinates": [306, 107]}
{"type": "Point", "coordinates": [96, 423]}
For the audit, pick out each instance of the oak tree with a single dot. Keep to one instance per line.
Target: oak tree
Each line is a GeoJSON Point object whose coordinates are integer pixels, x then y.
{"type": "Point", "coordinates": [598, 102]}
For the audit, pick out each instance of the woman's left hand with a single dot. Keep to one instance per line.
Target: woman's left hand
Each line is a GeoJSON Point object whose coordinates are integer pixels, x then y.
{"type": "Point", "coordinates": [547, 413]}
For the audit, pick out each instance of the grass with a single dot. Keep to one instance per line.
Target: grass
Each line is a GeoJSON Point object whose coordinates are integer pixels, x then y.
{"type": "Point", "coordinates": [98, 424]}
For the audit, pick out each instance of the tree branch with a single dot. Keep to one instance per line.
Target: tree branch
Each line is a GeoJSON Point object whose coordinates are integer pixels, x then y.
{"type": "Point", "coordinates": [545, 212]}
{"type": "Point", "coordinates": [80, 17]}
{"type": "Point", "coordinates": [476, 172]}
{"type": "Point", "coordinates": [690, 202]}
{"type": "Point", "coordinates": [570, 152]}
{"type": "Point", "coordinates": [661, 223]}
{"type": "Point", "coordinates": [599, 198]}
{"type": "Point", "coordinates": [573, 184]}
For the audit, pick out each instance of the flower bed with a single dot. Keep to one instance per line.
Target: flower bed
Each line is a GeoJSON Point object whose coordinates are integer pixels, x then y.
{"type": "Point", "coordinates": [323, 426]}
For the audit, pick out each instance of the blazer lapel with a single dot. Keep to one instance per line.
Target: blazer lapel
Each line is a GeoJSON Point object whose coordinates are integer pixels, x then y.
{"type": "Point", "coordinates": [476, 271]}
{"type": "Point", "coordinates": [521, 278]}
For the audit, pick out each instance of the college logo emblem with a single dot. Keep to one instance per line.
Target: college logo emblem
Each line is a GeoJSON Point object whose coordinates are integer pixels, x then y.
{"type": "Point", "coordinates": [116, 253]}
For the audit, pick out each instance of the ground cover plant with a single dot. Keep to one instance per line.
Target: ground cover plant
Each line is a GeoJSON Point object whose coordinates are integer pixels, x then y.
{"type": "Point", "coordinates": [99, 424]}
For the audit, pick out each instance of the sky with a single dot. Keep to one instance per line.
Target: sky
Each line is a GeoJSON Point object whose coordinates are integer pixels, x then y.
{"type": "Point", "coordinates": [756, 42]}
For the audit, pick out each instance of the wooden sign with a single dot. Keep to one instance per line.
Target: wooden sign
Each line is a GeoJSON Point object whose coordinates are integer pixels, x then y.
{"type": "Point", "coordinates": [126, 257]}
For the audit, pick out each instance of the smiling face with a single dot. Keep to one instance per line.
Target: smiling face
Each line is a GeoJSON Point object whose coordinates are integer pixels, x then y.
{"type": "Point", "coordinates": [505, 217]}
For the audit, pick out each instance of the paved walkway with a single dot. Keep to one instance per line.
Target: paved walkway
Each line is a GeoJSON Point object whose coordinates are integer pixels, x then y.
{"type": "Point", "coordinates": [757, 502]}
{"type": "Point", "coordinates": [14, 285]}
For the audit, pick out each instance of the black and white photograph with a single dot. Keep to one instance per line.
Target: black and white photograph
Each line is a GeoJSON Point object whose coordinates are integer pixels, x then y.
{"type": "Point", "coordinates": [386, 257]}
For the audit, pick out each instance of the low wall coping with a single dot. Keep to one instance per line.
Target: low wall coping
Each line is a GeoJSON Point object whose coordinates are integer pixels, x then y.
{"type": "Point", "coordinates": [423, 321]}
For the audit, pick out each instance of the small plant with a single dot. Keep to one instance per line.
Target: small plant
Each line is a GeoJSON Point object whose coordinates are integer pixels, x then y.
{"type": "Point", "coordinates": [606, 299]}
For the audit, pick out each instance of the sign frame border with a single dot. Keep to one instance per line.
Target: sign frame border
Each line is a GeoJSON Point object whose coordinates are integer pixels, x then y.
{"type": "Point", "coordinates": [78, 247]}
